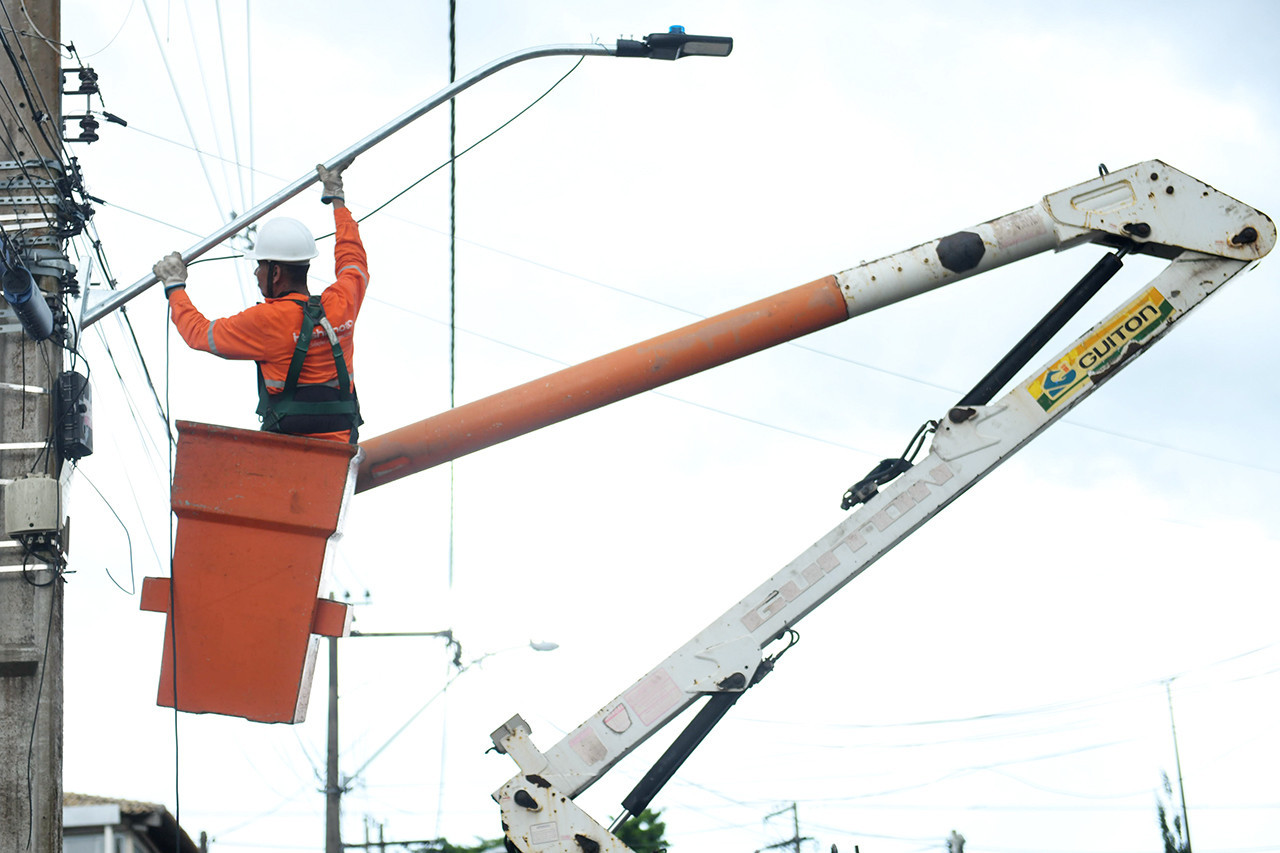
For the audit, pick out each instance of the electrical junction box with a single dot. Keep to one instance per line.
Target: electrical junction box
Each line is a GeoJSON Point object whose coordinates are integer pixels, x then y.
{"type": "Point", "coordinates": [31, 505]}
{"type": "Point", "coordinates": [74, 416]}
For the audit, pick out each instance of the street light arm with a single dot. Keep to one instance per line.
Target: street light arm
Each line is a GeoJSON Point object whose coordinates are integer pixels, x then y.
{"type": "Point", "coordinates": [670, 45]}
{"type": "Point", "coordinates": [99, 308]}
{"type": "Point", "coordinates": [118, 298]}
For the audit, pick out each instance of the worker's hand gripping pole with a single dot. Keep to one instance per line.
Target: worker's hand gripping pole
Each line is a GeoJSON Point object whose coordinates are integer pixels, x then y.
{"type": "Point", "coordinates": [1208, 237]}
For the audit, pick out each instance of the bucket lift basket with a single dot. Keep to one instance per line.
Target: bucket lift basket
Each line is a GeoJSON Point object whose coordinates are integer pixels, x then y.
{"type": "Point", "coordinates": [256, 514]}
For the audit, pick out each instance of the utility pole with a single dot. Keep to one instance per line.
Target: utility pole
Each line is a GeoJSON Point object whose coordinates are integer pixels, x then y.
{"type": "Point", "coordinates": [332, 784]}
{"type": "Point", "coordinates": [335, 786]}
{"type": "Point", "coordinates": [1177, 757]}
{"type": "Point", "coordinates": [31, 692]}
{"type": "Point", "coordinates": [795, 840]}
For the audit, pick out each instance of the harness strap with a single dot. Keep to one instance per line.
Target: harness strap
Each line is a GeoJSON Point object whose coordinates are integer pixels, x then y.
{"type": "Point", "coordinates": [318, 405]}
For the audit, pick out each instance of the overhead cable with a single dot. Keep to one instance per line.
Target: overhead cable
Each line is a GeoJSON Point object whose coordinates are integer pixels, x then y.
{"type": "Point", "coordinates": [182, 106]}
{"type": "Point", "coordinates": [231, 110]}
{"type": "Point", "coordinates": [208, 102]}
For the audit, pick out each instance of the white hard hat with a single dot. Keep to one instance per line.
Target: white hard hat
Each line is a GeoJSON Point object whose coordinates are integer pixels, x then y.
{"type": "Point", "coordinates": [285, 240]}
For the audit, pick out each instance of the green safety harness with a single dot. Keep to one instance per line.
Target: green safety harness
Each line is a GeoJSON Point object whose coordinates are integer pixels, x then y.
{"type": "Point", "coordinates": [307, 409]}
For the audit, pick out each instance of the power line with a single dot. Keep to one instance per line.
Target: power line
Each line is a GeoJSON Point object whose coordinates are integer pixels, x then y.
{"type": "Point", "coordinates": [119, 30]}
{"type": "Point", "coordinates": [231, 111]}
{"type": "Point", "coordinates": [56, 46]}
{"type": "Point", "coordinates": [182, 107]}
{"type": "Point", "coordinates": [248, 62]}
{"type": "Point", "coordinates": [1038, 710]}
{"type": "Point", "coordinates": [133, 585]}
{"type": "Point", "coordinates": [208, 101]}
{"type": "Point", "coordinates": [149, 218]}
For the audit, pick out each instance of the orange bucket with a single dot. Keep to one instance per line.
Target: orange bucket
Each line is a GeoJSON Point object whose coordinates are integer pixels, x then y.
{"type": "Point", "coordinates": [256, 513]}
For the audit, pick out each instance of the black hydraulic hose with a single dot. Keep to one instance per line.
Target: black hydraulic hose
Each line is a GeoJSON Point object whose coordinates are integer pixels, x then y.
{"type": "Point", "coordinates": [666, 766]}
{"type": "Point", "coordinates": [1070, 304]}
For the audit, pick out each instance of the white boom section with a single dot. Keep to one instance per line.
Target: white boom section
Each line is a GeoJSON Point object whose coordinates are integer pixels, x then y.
{"type": "Point", "coordinates": [1208, 238]}
{"type": "Point", "coordinates": [1153, 206]}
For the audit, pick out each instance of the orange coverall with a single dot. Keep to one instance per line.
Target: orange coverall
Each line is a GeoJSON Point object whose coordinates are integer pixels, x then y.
{"type": "Point", "coordinates": [266, 333]}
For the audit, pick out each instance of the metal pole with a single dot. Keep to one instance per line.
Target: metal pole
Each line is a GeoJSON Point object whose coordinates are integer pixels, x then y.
{"type": "Point", "coordinates": [119, 297]}
{"type": "Point", "coordinates": [332, 782]}
{"type": "Point", "coordinates": [1177, 759]}
{"type": "Point", "coordinates": [334, 786]}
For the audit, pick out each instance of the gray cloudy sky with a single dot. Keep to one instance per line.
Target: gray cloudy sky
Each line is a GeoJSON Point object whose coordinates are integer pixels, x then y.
{"type": "Point", "coordinates": [1001, 673]}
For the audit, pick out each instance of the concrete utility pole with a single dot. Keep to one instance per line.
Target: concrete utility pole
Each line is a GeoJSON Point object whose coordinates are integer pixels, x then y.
{"type": "Point", "coordinates": [796, 838]}
{"type": "Point", "coordinates": [30, 588]}
{"type": "Point", "coordinates": [335, 785]}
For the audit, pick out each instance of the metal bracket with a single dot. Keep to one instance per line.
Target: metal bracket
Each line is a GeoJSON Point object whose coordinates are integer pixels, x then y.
{"type": "Point", "coordinates": [25, 167]}
{"type": "Point", "coordinates": [37, 219]}
{"type": "Point", "coordinates": [26, 182]}
{"type": "Point", "coordinates": [50, 262]}
{"type": "Point", "coordinates": [17, 200]}
{"type": "Point", "coordinates": [93, 297]}
{"type": "Point", "coordinates": [23, 241]}
{"type": "Point", "coordinates": [9, 322]}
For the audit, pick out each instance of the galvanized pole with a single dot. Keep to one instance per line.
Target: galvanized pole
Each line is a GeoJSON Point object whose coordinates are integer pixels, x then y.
{"type": "Point", "coordinates": [1177, 757]}
{"type": "Point", "coordinates": [30, 590]}
{"type": "Point", "coordinates": [103, 304]}
{"type": "Point", "coordinates": [333, 783]}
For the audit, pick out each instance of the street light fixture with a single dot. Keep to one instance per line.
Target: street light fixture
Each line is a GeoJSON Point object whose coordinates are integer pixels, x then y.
{"type": "Point", "coordinates": [673, 44]}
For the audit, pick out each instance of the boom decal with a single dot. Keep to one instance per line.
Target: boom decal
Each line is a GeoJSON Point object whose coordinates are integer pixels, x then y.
{"type": "Point", "coordinates": [1133, 324]}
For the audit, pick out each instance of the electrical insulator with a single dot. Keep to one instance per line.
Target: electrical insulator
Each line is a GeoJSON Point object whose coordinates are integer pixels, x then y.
{"type": "Point", "coordinates": [88, 129]}
{"type": "Point", "coordinates": [88, 81]}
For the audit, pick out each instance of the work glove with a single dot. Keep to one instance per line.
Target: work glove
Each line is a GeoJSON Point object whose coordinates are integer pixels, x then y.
{"type": "Point", "coordinates": [332, 181]}
{"type": "Point", "coordinates": [172, 271]}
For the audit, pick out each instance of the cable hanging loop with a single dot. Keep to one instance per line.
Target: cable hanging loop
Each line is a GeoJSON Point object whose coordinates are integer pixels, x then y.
{"type": "Point", "coordinates": [888, 469]}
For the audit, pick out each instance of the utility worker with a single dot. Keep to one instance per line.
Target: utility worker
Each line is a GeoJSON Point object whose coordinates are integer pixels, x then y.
{"type": "Point", "coordinates": [303, 344]}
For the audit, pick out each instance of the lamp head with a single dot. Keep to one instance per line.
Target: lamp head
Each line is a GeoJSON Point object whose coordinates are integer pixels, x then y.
{"type": "Point", "coordinates": [674, 44]}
